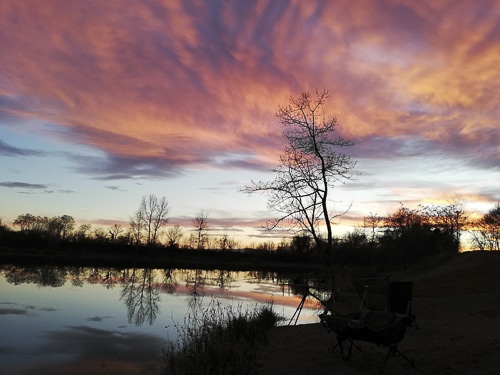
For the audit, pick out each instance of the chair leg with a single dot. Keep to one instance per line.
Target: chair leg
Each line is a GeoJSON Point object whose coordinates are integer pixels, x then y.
{"type": "Point", "coordinates": [393, 349]}
{"type": "Point", "coordinates": [410, 361]}
{"type": "Point", "coordinates": [339, 344]}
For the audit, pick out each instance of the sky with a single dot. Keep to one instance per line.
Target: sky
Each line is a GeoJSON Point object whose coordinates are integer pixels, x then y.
{"type": "Point", "coordinates": [102, 103]}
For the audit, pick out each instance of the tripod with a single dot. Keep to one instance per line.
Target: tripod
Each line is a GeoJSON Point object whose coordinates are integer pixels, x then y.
{"type": "Point", "coordinates": [297, 312]}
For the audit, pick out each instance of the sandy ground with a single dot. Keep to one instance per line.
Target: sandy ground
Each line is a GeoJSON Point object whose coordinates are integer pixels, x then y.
{"type": "Point", "coordinates": [457, 307]}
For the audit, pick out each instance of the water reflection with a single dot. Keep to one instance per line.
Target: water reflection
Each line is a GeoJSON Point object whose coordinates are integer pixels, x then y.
{"type": "Point", "coordinates": [42, 276]}
{"type": "Point", "coordinates": [55, 315]}
{"type": "Point", "coordinates": [141, 287]}
{"type": "Point", "coordinates": [140, 296]}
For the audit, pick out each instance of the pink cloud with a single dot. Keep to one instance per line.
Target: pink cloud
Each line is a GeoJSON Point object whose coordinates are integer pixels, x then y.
{"type": "Point", "coordinates": [170, 85]}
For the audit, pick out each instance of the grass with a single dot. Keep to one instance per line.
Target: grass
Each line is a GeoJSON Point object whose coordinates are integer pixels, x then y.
{"type": "Point", "coordinates": [218, 339]}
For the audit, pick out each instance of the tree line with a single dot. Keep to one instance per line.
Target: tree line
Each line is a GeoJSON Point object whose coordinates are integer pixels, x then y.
{"type": "Point", "coordinates": [427, 229]}
{"type": "Point", "coordinates": [147, 228]}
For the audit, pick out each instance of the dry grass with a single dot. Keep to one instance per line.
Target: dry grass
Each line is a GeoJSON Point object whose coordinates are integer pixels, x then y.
{"type": "Point", "coordinates": [218, 340]}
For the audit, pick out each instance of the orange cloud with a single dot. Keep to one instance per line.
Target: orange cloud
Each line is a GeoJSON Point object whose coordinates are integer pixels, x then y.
{"type": "Point", "coordinates": [169, 85]}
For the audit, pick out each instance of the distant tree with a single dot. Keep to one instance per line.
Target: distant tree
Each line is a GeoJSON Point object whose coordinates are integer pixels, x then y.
{"type": "Point", "coordinates": [174, 235]}
{"type": "Point", "coordinates": [58, 227]}
{"type": "Point", "coordinates": [301, 244]}
{"type": "Point", "coordinates": [26, 222]}
{"type": "Point", "coordinates": [310, 166]}
{"type": "Point", "coordinates": [136, 225]}
{"type": "Point", "coordinates": [407, 235]}
{"type": "Point", "coordinates": [403, 221]}
{"type": "Point", "coordinates": [67, 224]}
{"type": "Point", "coordinates": [373, 221]}
{"type": "Point", "coordinates": [82, 232]}
{"type": "Point", "coordinates": [42, 224]}
{"type": "Point", "coordinates": [191, 241]}
{"type": "Point", "coordinates": [99, 234]}
{"type": "Point", "coordinates": [151, 216]}
{"type": "Point", "coordinates": [200, 223]}
{"type": "Point", "coordinates": [449, 219]}
{"type": "Point", "coordinates": [486, 230]}
{"type": "Point", "coordinates": [267, 246]}
{"type": "Point", "coordinates": [226, 243]}
{"type": "Point", "coordinates": [429, 229]}
{"type": "Point", "coordinates": [114, 231]}
{"type": "Point", "coordinates": [223, 242]}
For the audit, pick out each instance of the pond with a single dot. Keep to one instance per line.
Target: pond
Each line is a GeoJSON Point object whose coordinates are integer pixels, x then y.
{"type": "Point", "coordinates": [81, 320]}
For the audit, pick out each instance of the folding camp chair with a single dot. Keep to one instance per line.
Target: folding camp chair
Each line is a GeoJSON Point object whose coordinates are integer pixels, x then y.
{"type": "Point", "coordinates": [383, 328]}
{"type": "Point", "coordinates": [379, 327]}
{"type": "Point", "coordinates": [400, 299]}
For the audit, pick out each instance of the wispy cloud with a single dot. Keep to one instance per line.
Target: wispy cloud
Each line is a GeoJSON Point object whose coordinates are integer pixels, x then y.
{"type": "Point", "coordinates": [8, 150]}
{"type": "Point", "coordinates": [114, 188]}
{"type": "Point", "coordinates": [167, 77]}
{"type": "Point", "coordinates": [22, 185]}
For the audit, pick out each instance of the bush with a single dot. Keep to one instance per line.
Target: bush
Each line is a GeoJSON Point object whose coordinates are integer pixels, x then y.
{"type": "Point", "coordinates": [218, 340]}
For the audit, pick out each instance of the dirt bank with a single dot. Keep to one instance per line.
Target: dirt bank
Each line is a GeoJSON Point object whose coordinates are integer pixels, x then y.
{"type": "Point", "coordinates": [457, 304]}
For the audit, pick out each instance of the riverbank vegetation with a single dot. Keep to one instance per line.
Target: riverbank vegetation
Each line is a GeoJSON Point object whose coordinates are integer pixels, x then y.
{"type": "Point", "coordinates": [218, 340]}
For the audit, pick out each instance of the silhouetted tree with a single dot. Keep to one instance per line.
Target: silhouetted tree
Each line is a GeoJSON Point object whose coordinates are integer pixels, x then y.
{"type": "Point", "coordinates": [301, 244]}
{"type": "Point", "coordinates": [115, 231]}
{"type": "Point", "coordinates": [99, 235]}
{"type": "Point", "coordinates": [226, 243]}
{"type": "Point", "coordinates": [310, 166]}
{"type": "Point", "coordinates": [82, 232]}
{"type": "Point", "coordinates": [26, 221]}
{"type": "Point", "coordinates": [150, 218]}
{"type": "Point", "coordinates": [449, 220]}
{"type": "Point", "coordinates": [67, 223]}
{"type": "Point", "coordinates": [412, 233]}
{"type": "Point", "coordinates": [58, 227]}
{"type": "Point", "coordinates": [486, 230]}
{"type": "Point", "coordinates": [200, 223]}
{"type": "Point", "coordinates": [174, 235]}
{"type": "Point", "coordinates": [373, 221]}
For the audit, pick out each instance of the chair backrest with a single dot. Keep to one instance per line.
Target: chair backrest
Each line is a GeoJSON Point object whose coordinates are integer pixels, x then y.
{"type": "Point", "coordinates": [372, 291]}
{"type": "Point", "coordinates": [400, 296]}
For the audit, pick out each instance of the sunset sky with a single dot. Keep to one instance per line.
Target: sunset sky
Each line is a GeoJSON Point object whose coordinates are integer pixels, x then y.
{"type": "Point", "coordinates": [103, 102]}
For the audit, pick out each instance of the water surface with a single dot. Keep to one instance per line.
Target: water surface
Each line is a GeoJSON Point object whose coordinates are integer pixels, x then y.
{"type": "Point", "coordinates": [57, 320]}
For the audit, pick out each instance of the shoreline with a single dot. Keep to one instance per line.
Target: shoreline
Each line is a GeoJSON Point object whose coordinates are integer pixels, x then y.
{"type": "Point", "coordinates": [456, 306]}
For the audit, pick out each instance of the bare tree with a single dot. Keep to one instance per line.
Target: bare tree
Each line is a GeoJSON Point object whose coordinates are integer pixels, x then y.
{"type": "Point", "coordinates": [174, 235]}
{"type": "Point", "coordinates": [150, 218]}
{"type": "Point", "coordinates": [82, 231]}
{"type": "Point", "coordinates": [226, 243]}
{"type": "Point", "coordinates": [486, 230]}
{"type": "Point", "coordinates": [309, 168]}
{"type": "Point", "coordinates": [373, 221]}
{"type": "Point", "coordinates": [449, 219]}
{"type": "Point", "coordinates": [136, 224]}
{"type": "Point", "coordinates": [115, 231]}
{"type": "Point", "coordinates": [200, 222]}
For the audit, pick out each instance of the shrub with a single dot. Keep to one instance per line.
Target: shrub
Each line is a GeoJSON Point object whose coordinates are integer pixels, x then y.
{"type": "Point", "coordinates": [218, 340]}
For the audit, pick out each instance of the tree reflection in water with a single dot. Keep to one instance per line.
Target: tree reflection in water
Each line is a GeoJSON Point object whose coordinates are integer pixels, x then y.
{"type": "Point", "coordinates": [75, 273]}
{"type": "Point", "coordinates": [141, 297]}
{"type": "Point", "coordinates": [43, 276]}
{"type": "Point", "coordinates": [169, 284]}
{"type": "Point", "coordinates": [141, 288]}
